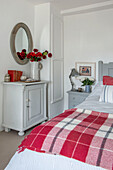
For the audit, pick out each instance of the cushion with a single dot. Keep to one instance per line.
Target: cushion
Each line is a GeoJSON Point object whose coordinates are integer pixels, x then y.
{"type": "Point", "coordinates": [107, 94]}
{"type": "Point", "coordinates": [107, 80]}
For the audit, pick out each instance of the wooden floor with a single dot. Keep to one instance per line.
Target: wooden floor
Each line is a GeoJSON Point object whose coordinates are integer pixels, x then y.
{"type": "Point", "coordinates": [9, 143]}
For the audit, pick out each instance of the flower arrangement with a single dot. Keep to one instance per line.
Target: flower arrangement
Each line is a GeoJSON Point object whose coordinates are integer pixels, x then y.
{"type": "Point", "coordinates": [34, 56]}
{"type": "Point", "coordinates": [87, 81]}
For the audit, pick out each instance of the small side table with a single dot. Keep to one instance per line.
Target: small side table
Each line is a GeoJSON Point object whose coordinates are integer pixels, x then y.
{"type": "Point", "coordinates": [75, 98]}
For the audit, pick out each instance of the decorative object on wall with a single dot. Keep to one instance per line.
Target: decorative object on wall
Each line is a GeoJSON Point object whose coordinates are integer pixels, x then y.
{"type": "Point", "coordinates": [20, 38]}
{"type": "Point", "coordinates": [35, 57]}
{"type": "Point", "coordinates": [73, 73]}
{"type": "Point", "coordinates": [86, 69]}
{"type": "Point", "coordinates": [87, 82]}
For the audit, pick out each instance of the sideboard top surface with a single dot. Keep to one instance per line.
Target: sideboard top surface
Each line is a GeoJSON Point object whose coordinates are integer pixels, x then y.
{"type": "Point", "coordinates": [24, 83]}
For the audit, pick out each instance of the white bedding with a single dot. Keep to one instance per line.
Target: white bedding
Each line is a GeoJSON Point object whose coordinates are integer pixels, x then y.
{"type": "Point", "coordinates": [96, 106]}
{"type": "Point", "coordinates": [92, 101]}
{"type": "Point", "coordinates": [30, 160]}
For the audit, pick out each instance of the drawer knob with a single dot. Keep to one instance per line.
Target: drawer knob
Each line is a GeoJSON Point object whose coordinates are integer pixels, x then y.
{"type": "Point", "coordinates": [27, 100]}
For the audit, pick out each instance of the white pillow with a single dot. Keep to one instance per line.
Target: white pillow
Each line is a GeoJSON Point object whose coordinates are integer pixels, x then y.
{"type": "Point", "coordinates": [107, 94]}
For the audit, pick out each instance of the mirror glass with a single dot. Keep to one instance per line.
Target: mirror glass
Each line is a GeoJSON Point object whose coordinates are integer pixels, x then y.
{"type": "Point", "coordinates": [20, 39]}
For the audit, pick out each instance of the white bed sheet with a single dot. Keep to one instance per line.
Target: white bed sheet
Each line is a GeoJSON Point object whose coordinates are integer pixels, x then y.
{"type": "Point", "coordinates": [30, 160]}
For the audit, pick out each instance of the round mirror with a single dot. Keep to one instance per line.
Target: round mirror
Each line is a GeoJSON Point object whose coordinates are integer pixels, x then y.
{"type": "Point", "coordinates": [20, 39]}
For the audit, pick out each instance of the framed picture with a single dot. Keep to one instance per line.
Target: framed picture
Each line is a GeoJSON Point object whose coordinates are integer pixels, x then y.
{"type": "Point", "coordinates": [86, 69]}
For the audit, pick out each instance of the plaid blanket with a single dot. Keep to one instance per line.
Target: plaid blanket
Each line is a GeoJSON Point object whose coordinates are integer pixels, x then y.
{"type": "Point", "coordinates": [80, 134]}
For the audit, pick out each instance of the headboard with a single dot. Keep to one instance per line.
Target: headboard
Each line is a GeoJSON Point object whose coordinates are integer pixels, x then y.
{"type": "Point", "coordinates": [104, 69]}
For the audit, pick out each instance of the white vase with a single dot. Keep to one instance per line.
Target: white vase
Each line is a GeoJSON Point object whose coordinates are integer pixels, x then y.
{"type": "Point", "coordinates": [35, 70]}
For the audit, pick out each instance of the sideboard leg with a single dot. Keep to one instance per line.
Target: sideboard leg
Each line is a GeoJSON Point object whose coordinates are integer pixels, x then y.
{"type": "Point", "coordinates": [7, 129]}
{"type": "Point", "coordinates": [21, 133]}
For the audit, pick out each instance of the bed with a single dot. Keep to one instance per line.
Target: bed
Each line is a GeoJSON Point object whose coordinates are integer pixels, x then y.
{"type": "Point", "coordinates": [29, 157]}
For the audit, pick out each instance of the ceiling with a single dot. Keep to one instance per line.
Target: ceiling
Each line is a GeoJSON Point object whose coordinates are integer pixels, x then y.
{"type": "Point", "coordinates": [69, 4]}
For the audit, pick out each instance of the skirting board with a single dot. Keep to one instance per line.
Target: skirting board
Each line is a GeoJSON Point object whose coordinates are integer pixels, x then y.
{"type": "Point", "coordinates": [1, 128]}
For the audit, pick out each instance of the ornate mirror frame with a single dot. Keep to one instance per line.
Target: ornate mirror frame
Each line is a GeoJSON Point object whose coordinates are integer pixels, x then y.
{"type": "Point", "coordinates": [12, 42]}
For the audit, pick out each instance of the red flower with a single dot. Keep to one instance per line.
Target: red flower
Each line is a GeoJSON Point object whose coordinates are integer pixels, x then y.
{"type": "Point", "coordinates": [28, 56]}
{"type": "Point", "coordinates": [32, 59]}
{"type": "Point", "coordinates": [22, 54]}
{"type": "Point", "coordinates": [35, 50]}
{"type": "Point", "coordinates": [49, 55]}
{"type": "Point", "coordinates": [44, 57]}
{"type": "Point", "coordinates": [39, 59]}
{"type": "Point", "coordinates": [32, 54]}
{"type": "Point", "coordinates": [46, 51]}
{"type": "Point", "coordinates": [24, 50]}
{"type": "Point", "coordinates": [36, 55]}
{"type": "Point", "coordinates": [39, 54]}
{"type": "Point", "coordinates": [18, 53]}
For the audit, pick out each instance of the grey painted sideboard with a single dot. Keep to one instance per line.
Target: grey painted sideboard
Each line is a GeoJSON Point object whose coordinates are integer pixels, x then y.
{"type": "Point", "coordinates": [24, 105]}
{"type": "Point", "coordinates": [75, 98]}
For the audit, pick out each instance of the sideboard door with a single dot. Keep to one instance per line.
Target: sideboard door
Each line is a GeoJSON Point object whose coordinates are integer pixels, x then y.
{"type": "Point", "coordinates": [34, 104]}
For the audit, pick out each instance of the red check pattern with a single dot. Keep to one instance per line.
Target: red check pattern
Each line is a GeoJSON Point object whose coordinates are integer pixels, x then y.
{"type": "Point", "coordinates": [80, 134]}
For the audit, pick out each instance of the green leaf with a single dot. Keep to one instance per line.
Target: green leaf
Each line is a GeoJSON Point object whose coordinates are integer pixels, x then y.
{"type": "Point", "coordinates": [87, 82]}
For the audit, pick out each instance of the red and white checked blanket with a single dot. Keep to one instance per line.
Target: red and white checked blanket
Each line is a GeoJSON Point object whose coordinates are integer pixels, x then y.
{"type": "Point", "coordinates": [80, 134]}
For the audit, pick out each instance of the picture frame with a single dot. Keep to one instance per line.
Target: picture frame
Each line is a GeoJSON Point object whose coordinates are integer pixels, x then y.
{"type": "Point", "coordinates": [87, 69]}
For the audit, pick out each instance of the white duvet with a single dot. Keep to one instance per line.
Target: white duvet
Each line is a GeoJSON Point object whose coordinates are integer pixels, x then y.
{"type": "Point", "coordinates": [30, 160]}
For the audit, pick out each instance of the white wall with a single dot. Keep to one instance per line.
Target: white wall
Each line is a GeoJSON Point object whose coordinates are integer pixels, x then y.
{"type": "Point", "coordinates": [12, 12]}
{"type": "Point", "coordinates": [42, 35]}
{"type": "Point", "coordinates": [87, 38]}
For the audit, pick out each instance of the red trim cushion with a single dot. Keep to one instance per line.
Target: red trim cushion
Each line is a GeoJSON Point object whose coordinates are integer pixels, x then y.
{"type": "Point", "coordinates": [107, 80]}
